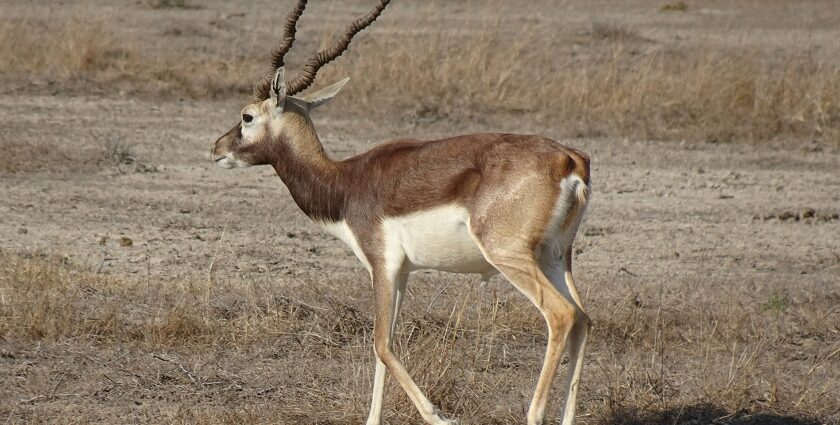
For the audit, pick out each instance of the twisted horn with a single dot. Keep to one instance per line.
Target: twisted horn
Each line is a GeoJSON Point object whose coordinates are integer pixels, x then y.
{"type": "Point", "coordinates": [289, 30]}
{"type": "Point", "coordinates": [323, 57]}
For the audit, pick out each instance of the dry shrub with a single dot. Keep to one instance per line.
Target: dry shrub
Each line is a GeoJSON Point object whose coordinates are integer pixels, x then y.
{"type": "Point", "coordinates": [23, 155]}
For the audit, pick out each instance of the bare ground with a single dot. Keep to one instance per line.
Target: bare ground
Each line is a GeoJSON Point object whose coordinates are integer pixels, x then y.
{"type": "Point", "coordinates": [140, 284]}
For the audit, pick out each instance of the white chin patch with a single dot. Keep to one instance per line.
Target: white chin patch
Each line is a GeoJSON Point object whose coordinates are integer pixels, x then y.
{"type": "Point", "coordinates": [230, 162]}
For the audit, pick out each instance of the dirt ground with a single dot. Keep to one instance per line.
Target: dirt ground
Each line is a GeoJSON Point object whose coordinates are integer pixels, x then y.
{"type": "Point", "coordinates": [707, 265]}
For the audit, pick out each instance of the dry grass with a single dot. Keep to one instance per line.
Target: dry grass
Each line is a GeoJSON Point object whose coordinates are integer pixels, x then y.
{"type": "Point", "coordinates": [82, 48]}
{"type": "Point", "coordinates": [649, 92]}
{"type": "Point", "coordinates": [679, 355]}
{"type": "Point", "coordinates": [622, 86]}
{"type": "Point", "coordinates": [62, 48]}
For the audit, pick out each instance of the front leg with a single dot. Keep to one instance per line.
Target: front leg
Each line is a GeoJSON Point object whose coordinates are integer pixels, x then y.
{"type": "Point", "coordinates": [387, 290]}
{"type": "Point", "coordinates": [375, 416]}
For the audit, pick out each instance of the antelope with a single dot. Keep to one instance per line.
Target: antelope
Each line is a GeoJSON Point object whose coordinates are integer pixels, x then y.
{"type": "Point", "coordinates": [476, 203]}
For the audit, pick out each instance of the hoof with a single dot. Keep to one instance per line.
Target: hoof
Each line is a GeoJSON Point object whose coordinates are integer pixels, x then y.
{"type": "Point", "coordinates": [439, 419]}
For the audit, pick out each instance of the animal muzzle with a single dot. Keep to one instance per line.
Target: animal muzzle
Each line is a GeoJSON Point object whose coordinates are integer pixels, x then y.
{"type": "Point", "coordinates": [224, 144]}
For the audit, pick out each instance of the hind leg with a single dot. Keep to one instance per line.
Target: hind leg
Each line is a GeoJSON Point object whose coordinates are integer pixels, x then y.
{"type": "Point", "coordinates": [509, 222]}
{"type": "Point", "coordinates": [559, 272]}
{"type": "Point", "coordinates": [521, 268]}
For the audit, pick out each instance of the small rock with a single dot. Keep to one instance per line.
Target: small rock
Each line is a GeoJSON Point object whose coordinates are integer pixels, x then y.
{"type": "Point", "coordinates": [23, 231]}
{"type": "Point", "coordinates": [102, 240]}
{"type": "Point", "coordinates": [138, 259]}
{"type": "Point", "coordinates": [124, 241]}
{"type": "Point", "coordinates": [812, 147]}
{"type": "Point", "coordinates": [291, 235]}
{"type": "Point", "coordinates": [787, 215]}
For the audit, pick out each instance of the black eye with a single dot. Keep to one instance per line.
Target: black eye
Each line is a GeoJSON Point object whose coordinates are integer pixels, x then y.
{"type": "Point", "coordinates": [247, 117]}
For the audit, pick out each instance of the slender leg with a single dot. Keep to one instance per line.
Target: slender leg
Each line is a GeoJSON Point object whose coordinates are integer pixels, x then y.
{"type": "Point", "coordinates": [384, 295]}
{"type": "Point", "coordinates": [577, 345]}
{"type": "Point", "coordinates": [559, 272]}
{"type": "Point", "coordinates": [523, 271]}
{"type": "Point", "coordinates": [375, 416]}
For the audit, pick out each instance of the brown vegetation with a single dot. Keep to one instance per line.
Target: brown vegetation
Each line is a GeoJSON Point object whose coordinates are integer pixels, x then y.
{"type": "Point", "coordinates": [623, 85]}
{"type": "Point", "coordinates": [83, 48]}
{"type": "Point", "coordinates": [660, 356]}
{"type": "Point", "coordinates": [660, 94]}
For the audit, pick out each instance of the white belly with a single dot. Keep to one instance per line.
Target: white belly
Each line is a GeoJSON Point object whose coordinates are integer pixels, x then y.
{"type": "Point", "coordinates": [435, 239]}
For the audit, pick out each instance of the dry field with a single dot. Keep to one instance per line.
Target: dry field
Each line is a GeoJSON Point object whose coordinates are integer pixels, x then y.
{"type": "Point", "coordinates": [141, 284]}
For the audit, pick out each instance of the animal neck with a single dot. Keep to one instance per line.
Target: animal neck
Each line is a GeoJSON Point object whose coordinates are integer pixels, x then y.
{"type": "Point", "coordinates": [312, 177]}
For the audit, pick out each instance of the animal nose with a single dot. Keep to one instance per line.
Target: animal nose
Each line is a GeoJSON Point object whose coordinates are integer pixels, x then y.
{"type": "Point", "coordinates": [218, 148]}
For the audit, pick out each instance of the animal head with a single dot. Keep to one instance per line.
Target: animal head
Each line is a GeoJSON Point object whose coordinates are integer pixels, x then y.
{"type": "Point", "coordinates": [264, 123]}
{"type": "Point", "coordinates": [277, 115]}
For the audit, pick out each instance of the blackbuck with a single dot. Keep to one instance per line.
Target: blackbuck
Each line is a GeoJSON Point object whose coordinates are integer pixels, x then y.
{"type": "Point", "coordinates": [477, 203]}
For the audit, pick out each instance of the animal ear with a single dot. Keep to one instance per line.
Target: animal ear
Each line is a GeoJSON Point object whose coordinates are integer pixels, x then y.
{"type": "Point", "coordinates": [278, 88]}
{"type": "Point", "coordinates": [320, 97]}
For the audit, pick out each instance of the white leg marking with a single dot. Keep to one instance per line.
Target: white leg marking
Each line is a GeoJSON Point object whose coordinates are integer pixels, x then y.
{"type": "Point", "coordinates": [375, 415]}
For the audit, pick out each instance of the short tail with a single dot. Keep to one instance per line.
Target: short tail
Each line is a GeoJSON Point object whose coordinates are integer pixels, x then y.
{"type": "Point", "coordinates": [575, 191]}
{"type": "Point", "coordinates": [580, 172]}
{"type": "Point", "coordinates": [582, 192]}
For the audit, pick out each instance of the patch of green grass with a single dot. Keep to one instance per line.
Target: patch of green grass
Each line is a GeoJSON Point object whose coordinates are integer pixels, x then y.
{"type": "Point", "coordinates": [775, 302]}
{"type": "Point", "coordinates": [678, 6]}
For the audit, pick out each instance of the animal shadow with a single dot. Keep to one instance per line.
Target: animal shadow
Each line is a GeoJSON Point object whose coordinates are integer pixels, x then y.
{"type": "Point", "coordinates": [703, 415]}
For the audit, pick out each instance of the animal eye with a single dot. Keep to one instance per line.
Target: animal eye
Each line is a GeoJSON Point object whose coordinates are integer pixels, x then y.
{"type": "Point", "coordinates": [247, 117]}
